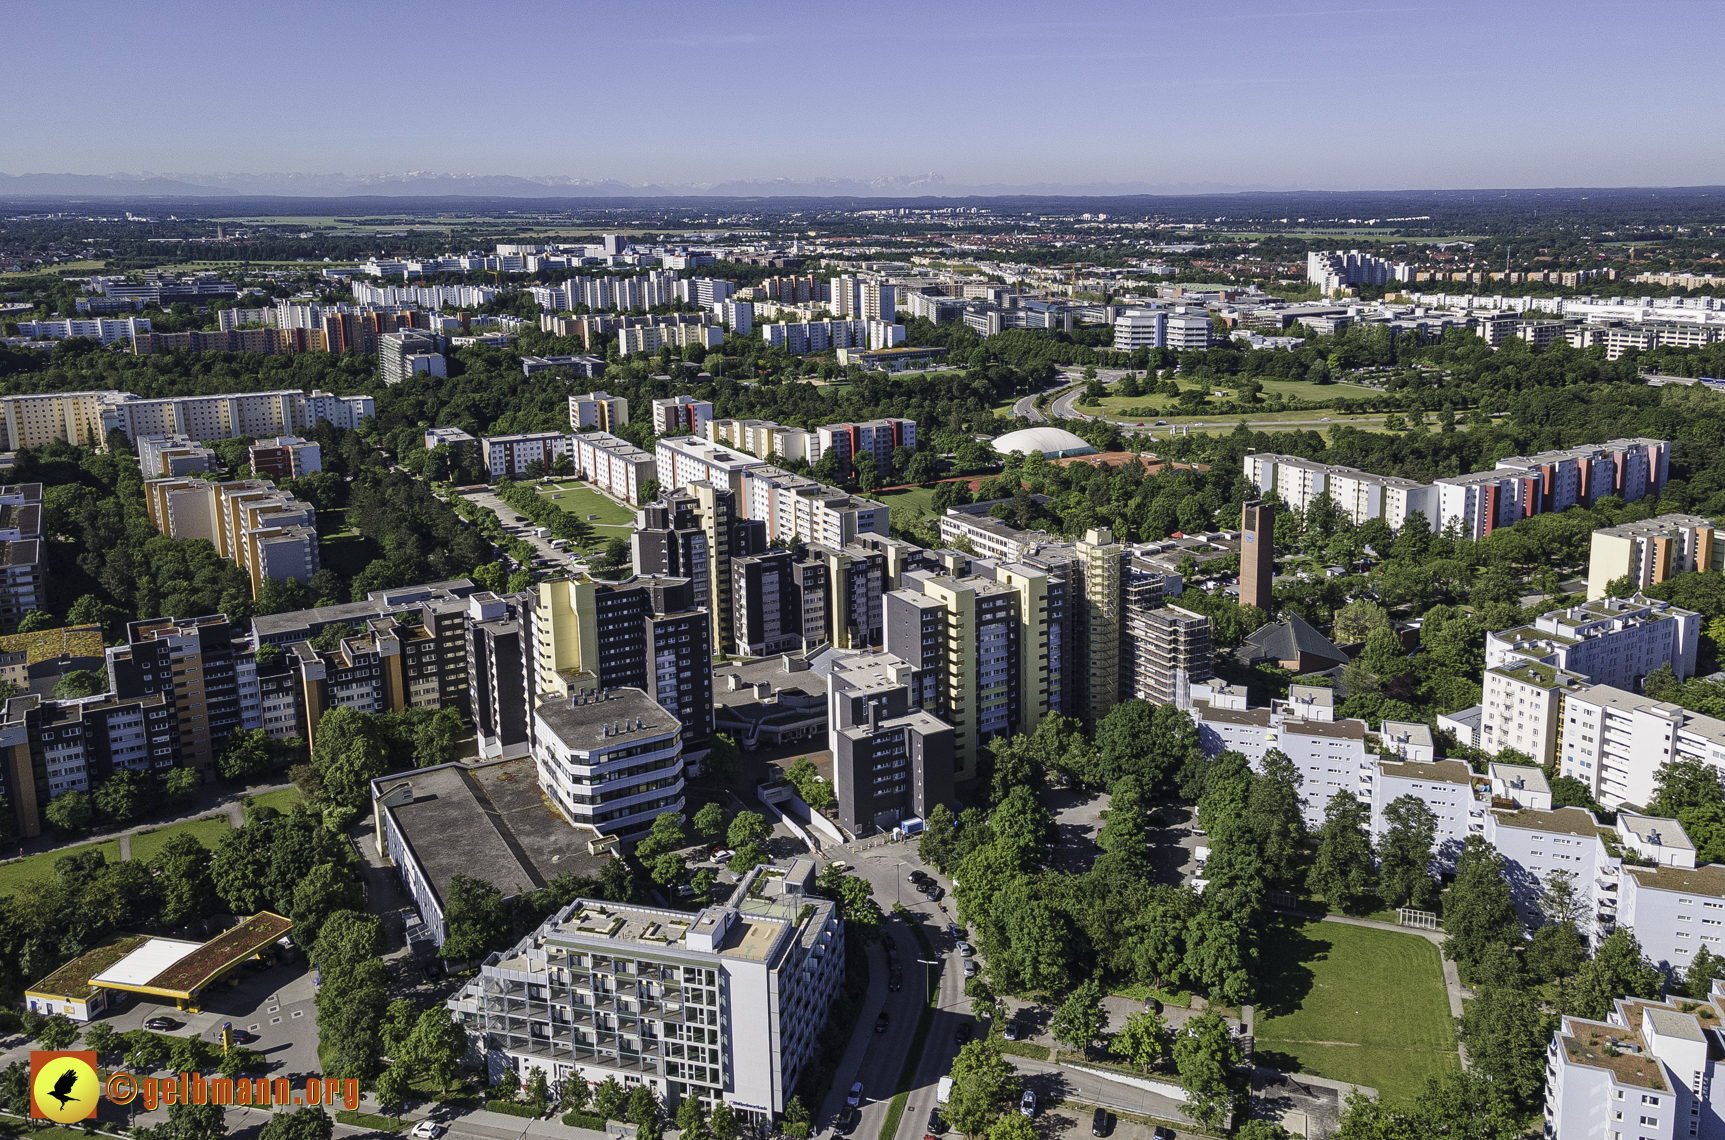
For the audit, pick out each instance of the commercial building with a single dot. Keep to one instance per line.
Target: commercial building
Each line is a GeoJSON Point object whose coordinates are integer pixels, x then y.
{"type": "Point", "coordinates": [173, 455]}
{"type": "Point", "coordinates": [1612, 641]}
{"type": "Point", "coordinates": [1649, 551]}
{"type": "Point", "coordinates": [507, 456]}
{"type": "Point", "coordinates": [1189, 331]}
{"type": "Point", "coordinates": [642, 633]}
{"type": "Point", "coordinates": [613, 465]}
{"type": "Point", "coordinates": [280, 457]}
{"type": "Point", "coordinates": [721, 1006]}
{"type": "Point", "coordinates": [404, 354]}
{"type": "Point", "coordinates": [610, 759]}
{"type": "Point", "coordinates": [1140, 328]}
{"type": "Point", "coordinates": [486, 821]}
{"type": "Point", "coordinates": [676, 415]}
{"type": "Point", "coordinates": [598, 410]}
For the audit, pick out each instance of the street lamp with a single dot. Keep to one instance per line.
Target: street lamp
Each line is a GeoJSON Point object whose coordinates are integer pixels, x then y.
{"type": "Point", "coordinates": [898, 886]}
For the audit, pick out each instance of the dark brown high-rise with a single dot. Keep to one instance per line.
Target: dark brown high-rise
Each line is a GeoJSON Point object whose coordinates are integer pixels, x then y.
{"type": "Point", "coordinates": [1257, 554]}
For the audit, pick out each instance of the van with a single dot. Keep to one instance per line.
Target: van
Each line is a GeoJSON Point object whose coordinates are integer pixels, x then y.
{"type": "Point", "coordinates": [943, 1091]}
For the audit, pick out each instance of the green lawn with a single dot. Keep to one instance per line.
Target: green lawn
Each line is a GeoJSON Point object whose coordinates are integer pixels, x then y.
{"type": "Point", "coordinates": [282, 800]}
{"type": "Point", "coordinates": [906, 507]}
{"type": "Point", "coordinates": [208, 831]}
{"type": "Point", "coordinates": [581, 501]}
{"type": "Point", "coordinates": [1355, 1004]}
{"type": "Point", "coordinates": [346, 553]}
{"type": "Point", "coordinates": [16, 874]}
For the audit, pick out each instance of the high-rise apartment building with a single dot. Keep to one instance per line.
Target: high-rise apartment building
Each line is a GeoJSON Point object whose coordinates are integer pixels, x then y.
{"type": "Point", "coordinates": [613, 465]}
{"type": "Point", "coordinates": [780, 603]}
{"type": "Point", "coordinates": [598, 410]}
{"type": "Point", "coordinates": [1612, 641]}
{"type": "Point", "coordinates": [1170, 651]}
{"type": "Point", "coordinates": [280, 457]}
{"type": "Point", "coordinates": [796, 508]}
{"type": "Point", "coordinates": [676, 415]}
{"type": "Point", "coordinates": [643, 632]}
{"type": "Point", "coordinates": [1649, 551]}
{"type": "Point", "coordinates": [500, 672]}
{"type": "Point", "coordinates": [1100, 606]}
{"type": "Point", "coordinates": [266, 532]}
{"type": "Point", "coordinates": [508, 456]}
{"type": "Point", "coordinates": [173, 455]}
{"type": "Point", "coordinates": [1615, 741]}
{"type": "Point", "coordinates": [876, 438]}
{"type": "Point", "coordinates": [765, 439]}
{"type": "Point", "coordinates": [204, 668]}
{"type": "Point", "coordinates": [891, 760]}
{"type": "Point", "coordinates": [404, 354]}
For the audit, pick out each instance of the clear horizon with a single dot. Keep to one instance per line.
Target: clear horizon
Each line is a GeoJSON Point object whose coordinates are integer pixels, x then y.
{"type": "Point", "coordinates": [1158, 97]}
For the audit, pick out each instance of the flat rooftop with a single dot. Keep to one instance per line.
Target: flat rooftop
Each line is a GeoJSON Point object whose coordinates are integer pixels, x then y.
{"type": "Point", "coordinates": [1707, 879]}
{"type": "Point", "coordinates": [1564, 820]}
{"type": "Point", "coordinates": [492, 823]}
{"type": "Point", "coordinates": [580, 722]}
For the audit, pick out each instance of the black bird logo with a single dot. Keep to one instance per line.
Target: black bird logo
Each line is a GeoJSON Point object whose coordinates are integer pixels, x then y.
{"type": "Point", "coordinates": [64, 1086]}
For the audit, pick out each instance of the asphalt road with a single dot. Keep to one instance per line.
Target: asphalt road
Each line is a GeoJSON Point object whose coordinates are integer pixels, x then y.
{"type": "Point", "coordinates": [1027, 408]}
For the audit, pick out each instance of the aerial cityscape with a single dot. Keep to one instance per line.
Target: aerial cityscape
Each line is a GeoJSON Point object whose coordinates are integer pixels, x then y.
{"type": "Point", "coordinates": [1163, 625]}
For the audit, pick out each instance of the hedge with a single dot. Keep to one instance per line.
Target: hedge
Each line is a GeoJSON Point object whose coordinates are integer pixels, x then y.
{"type": "Point", "coordinates": [513, 1109]}
{"type": "Point", "coordinates": [582, 1120]}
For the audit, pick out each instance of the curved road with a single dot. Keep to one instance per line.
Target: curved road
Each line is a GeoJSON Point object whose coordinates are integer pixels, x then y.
{"type": "Point", "coordinates": [1027, 408]}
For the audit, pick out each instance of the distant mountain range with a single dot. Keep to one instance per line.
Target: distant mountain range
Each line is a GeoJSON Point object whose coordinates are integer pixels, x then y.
{"type": "Point", "coordinates": [422, 184]}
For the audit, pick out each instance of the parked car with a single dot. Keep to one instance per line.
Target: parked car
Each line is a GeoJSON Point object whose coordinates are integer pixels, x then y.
{"type": "Point", "coordinates": [1027, 1103]}
{"type": "Point", "coordinates": [963, 1033]}
{"type": "Point", "coordinates": [1099, 1122]}
{"type": "Point", "coordinates": [916, 876]}
{"type": "Point", "coordinates": [847, 1120]}
{"type": "Point", "coordinates": [935, 892]}
{"type": "Point", "coordinates": [970, 967]}
{"type": "Point", "coordinates": [427, 1130]}
{"type": "Point", "coordinates": [880, 1023]}
{"type": "Point", "coordinates": [855, 1096]}
{"type": "Point", "coordinates": [964, 948]}
{"type": "Point", "coordinates": [161, 1023]}
{"type": "Point", "coordinates": [1161, 1133]}
{"type": "Point", "coordinates": [935, 1124]}
{"type": "Point", "coordinates": [723, 855]}
{"type": "Point", "coordinates": [1012, 1032]}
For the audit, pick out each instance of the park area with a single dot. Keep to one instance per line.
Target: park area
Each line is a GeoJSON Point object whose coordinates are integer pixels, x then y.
{"type": "Point", "coordinates": [615, 520]}
{"type": "Point", "coordinates": [1354, 1004]}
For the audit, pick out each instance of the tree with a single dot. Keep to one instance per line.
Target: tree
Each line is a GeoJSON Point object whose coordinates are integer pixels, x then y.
{"type": "Point", "coordinates": [665, 835]}
{"type": "Point", "coordinates": [723, 1123]}
{"type": "Point", "coordinates": [397, 1025]}
{"type": "Point", "coordinates": [57, 1032]}
{"type": "Point", "coordinates": [145, 1051]}
{"type": "Point", "coordinates": [1275, 817]}
{"type": "Point", "coordinates": [1356, 621]}
{"type": "Point", "coordinates": [347, 937]}
{"type": "Point", "coordinates": [121, 796]}
{"type": "Point", "coordinates": [724, 760]}
{"type": "Point", "coordinates": [181, 786]}
{"type": "Point", "coordinates": [709, 821]}
{"type": "Point", "coordinates": [668, 869]}
{"type": "Point", "coordinates": [35, 620]}
{"type": "Point", "coordinates": [1342, 871]}
{"type": "Point", "coordinates": [1142, 1040]}
{"type": "Point", "coordinates": [1685, 785]}
{"type": "Point", "coordinates": [1023, 822]}
{"type": "Point", "coordinates": [350, 753]}
{"type": "Point", "coordinates": [1159, 935]}
{"type": "Point", "coordinates": [748, 855]}
{"type": "Point", "coordinates": [207, 1122]}
{"type": "Point", "coordinates": [436, 1045]}
{"type": "Point", "coordinates": [984, 1086]}
{"type": "Point", "coordinates": [644, 1109]}
{"type": "Point", "coordinates": [249, 753]}
{"type": "Point", "coordinates": [1080, 1020]}
{"type": "Point", "coordinates": [1506, 1037]}
{"type": "Point", "coordinates": [301, 1124]}
{"type": "Point", "coordinates": [538, 1091]}
{"type": "Point", "coordinates": [183, 883]}
{"type": "Point", "coordinates": [476, 919]}
{"type": "Point", "coordinates": [100, 1038]}
{"type": "Point", "coordinates": [924, 468]}
{"type": "Point", "coordinates": [692, 1118]}
{"type": "Point", "coordinates": [748, 827]}
{"type": "Point", "coordinates": [391, 1088]}
{"type": "Point", "coordinates": [324, 890]}
{"type": "Point", "coordinates": [15, 1089]}
{"type": "Point", "coordinates": [70, 811]}
{"type": "Point", "coordinates": [1207, 1056]}
{"type": "Point", "coordinates": [1705, 969]}
{"type": "Point", "coordinates": [1012, 1126]}
{"type": "Point", "coordinates": [609, 1099]}
{"type": "Point", "coordinates": [1404, 853]}
{"type": "Point", "coordinates": [77, 682]}
{"type": "Point", "coordinates": [1478, 910]}
{"type": "Point", "coordinates": [1556, 951]}
{"type": "Point", "coordinates": [1617, 969]}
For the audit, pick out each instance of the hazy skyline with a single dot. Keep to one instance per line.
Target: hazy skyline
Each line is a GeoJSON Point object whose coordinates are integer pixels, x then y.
{"type": "Point", "coordinates": [1145, 96]}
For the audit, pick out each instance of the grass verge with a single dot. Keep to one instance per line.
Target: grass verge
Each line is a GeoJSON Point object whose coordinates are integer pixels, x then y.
{"type": "Point", "coordinates": [207, 831]}
{"type": "Point", "coordinates": [282, 799]}
{"type": "Point", "coordinates": [367, 1120]}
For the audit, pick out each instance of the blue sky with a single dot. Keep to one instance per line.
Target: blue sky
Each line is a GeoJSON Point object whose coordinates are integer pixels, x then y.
{"type": "Point", "coordinates": [1290, 94]}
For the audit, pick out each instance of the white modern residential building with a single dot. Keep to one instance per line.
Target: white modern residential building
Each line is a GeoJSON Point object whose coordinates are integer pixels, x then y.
{"type": "Point", "coordinates": [1615, 742]}
{"type": "Point", "coordinates": [685, 459]}
{"type": "Point", "coordinates": [879, 438]}
{"type": "Point", "coordinates": [1140, 328]}
{"type": "Point", "coordinates": [795, 506]}
{"type": "Point", "coordinates": [1651, 550]}
{"type": "Point", "coordinates": [766, 439]}
{"type": "Point", "coordinates": [722, 1005]}
{"type": "Point", "coordinates": [1520, 707]}
{"type": "Point", "coordinates": [1358, 494]}
{"type": "Point", "coordinates": [801, 337]}
{"type": "Point", "coordinates": [676, 415]}
{"type": "Point", "coordinates": [613, 465]}
{"type": "Point", "coordinates": [1612, 641]}
{"type": "Point", "coordinates": [1331, 271]}
{"type": "Point", "coordinates": [507, 456]}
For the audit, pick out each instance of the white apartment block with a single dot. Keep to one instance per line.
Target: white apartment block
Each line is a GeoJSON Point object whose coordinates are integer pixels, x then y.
{"type": "Point", "coordinates": [1331, 271]}
{"type": "Point", "coordinates": [1444, 786]}
{"type": "Point", "coordinates": [507, 456]}
{"type": "Point", "coordinates": [1614, 741]}
{"type": "Point", "coordinates": [879, 438]}
{"type": "Point", "coordinates": [679, 414]}
{"type": "Point", "coordinates": [613, 465]}
{"type": "Point", "coordinates": [766, 439]}
{"type": "Point", "coordinates": [802, 337]}
{"type": "Point", "coordinates": [1520, 707]}
{"type": "Point", "coordinates": [795, 506]}
{"type": "Point", "coordinates": [684, 460]}
{"type": "Point", "coordinates": [1188, 331]}
{"type": "Point", "coordinates": [863, 298]}
{"type": "Point", "coordinates": [173, 455]}
{"type": "Point", "coordinates": [1140, 328]}
{"type": "Point", "coordinates": [1357, 494]}
{"type": "Point", "coordinates": [1644, 1073]}
{"type": "Point", "coordinates": [598, 409]}
{"type": "Point", "coordinates": [651, 338]}
{"type": "Point", "coordinates": [643, 291]}
{"type": "Point", "coordinates": [102, 329]}
{"type": "Point", "coordinates": [1612, 641]}
{"type": "Point", "coordinates": [738, 316]}
{"type": "Point", "coordinates": [1479, 503]}
{"type": "Point", "coordinates": [1651, 550]}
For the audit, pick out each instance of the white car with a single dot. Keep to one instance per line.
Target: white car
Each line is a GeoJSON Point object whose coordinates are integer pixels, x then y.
{"type": "Point", "coordinates": [427, 1130]}
{"type": "Point", "coordinates": [854, 1097]}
